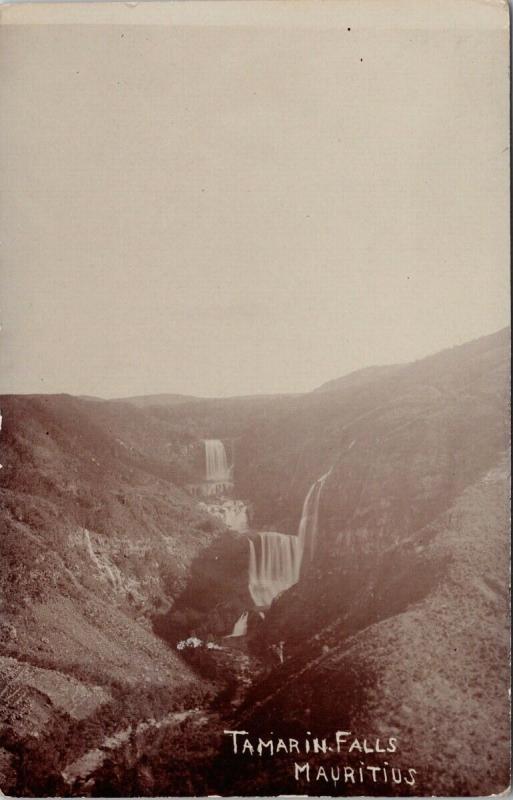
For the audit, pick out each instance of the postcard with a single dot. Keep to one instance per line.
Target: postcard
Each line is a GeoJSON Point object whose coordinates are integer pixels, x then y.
{"type": "Point", "coordinates": [255, 387]}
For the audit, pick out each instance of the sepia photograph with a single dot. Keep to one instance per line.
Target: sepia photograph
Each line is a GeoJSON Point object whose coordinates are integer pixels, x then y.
{"type": "Point", "coordinates": [254, 394]}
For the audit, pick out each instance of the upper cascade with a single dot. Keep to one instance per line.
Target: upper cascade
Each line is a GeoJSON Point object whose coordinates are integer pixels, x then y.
{"type": "Point", "coordinates": [216, 463]}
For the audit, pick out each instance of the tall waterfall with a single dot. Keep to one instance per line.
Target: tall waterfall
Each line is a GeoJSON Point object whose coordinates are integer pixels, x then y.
{"type": "Point", "coordinates": [275, 558]}
{"type": "Point", "coordinates": [307, 532]}
{"type": "Point", "coordinates": [215, 460]}
{"type": "Point", "coordinates": [274, 565]}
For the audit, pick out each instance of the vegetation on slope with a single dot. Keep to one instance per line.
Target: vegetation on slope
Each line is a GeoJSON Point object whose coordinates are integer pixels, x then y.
{"type": "Point", "coordinates": [96, 538]}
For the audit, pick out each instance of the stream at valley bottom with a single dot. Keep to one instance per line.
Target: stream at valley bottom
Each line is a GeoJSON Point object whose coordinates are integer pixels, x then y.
{"type": "Point", "coordinates": [174, 754]}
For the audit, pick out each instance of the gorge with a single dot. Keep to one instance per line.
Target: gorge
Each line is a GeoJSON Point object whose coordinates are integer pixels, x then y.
{"type": "Point", "coordinates": [339, 556]}
{"type": "Point", "coordinates": [275, 559]}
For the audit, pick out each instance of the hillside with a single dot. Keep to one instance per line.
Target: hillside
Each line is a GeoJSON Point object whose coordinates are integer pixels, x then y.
{"type": "Point", "coordinates": [359, 378]}
{"type": "Point", "coordinates": [95, 539]}
{"type": "Point", "coordinates": [418, 651]}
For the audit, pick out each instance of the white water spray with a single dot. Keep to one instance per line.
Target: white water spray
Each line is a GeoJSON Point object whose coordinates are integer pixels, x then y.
{"type": "Point", "coordinates": [215, 461]}
{"type": "Point", "coordinates": [233, 513]}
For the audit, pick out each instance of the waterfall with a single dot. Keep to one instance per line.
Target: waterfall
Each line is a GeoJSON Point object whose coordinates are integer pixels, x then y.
{"type": "Point", "coordinates": [216, 464]}
{"type": "Point", "coordinates": [307, 532]}
{"type": "Point", "coordinates": [241, 626]}
{"type": "Point", "coordinates": [273, 566]}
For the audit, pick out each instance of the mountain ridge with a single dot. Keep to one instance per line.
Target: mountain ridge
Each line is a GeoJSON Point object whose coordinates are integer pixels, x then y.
{"type": "Point", "coordinates": [357, 377]}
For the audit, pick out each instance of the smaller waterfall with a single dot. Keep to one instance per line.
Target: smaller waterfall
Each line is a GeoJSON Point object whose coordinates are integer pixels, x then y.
{"type": "Point", "coordinates": [241, 626]}
{"type": "Point", "coordinates": [216, 463]}
{"type": "Point", "coordinates": [275, 568]}
{"type": "Point", "coordinates": [307, 532]}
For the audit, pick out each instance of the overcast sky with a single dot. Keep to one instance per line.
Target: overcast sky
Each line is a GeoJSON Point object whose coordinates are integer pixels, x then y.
{"type": "Point", "coordinates": [220, 210]}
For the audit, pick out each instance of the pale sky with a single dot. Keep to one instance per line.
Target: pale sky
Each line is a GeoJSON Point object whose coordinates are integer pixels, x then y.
{"type": "Point", "coordinates": [220, 210]}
